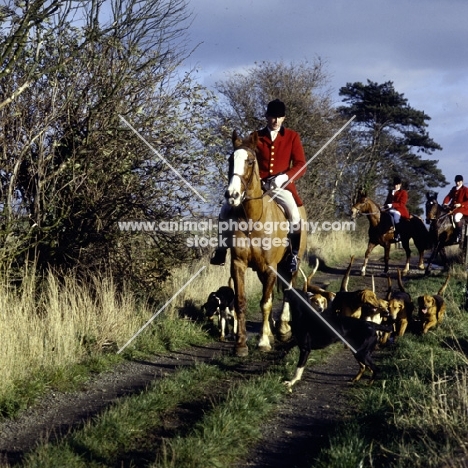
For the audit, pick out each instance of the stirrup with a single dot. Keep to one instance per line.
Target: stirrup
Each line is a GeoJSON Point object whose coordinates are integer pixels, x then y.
{"type": "Point", "coordinates": [219, 257]}
{"type": "Point", "coordinates": [293, 263]}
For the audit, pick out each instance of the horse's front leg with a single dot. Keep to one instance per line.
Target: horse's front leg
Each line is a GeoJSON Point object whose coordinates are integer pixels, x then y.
{"type": "Point", "coordinates": [434, 252]}
{"type": "Point", "coordinates": [370, 248]}
{"type": "Point", "coordinates": [238, 276]}
{"type": "Point", "coordinates": [386, 256]}
{"type": "Point", "coordinates": [268, 279]}
{"type": "Point", "coordinates": [421, 260]}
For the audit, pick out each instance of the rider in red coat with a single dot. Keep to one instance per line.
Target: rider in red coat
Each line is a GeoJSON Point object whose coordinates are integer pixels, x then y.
{"type": "Point", "coordinates": [457, 199]}
{"type": "Point", "coordinates": [281, 162]}
{"type": "Point", "coordinates": [284, 155]}
{"type": "Point", "coordinates": [396, 205]}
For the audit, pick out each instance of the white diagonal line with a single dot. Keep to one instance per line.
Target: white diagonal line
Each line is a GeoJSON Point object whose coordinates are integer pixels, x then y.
{"type": "Point", "coordinates": [161, 309]}
{"type": "Point", "coordinates": [317, 313]}
{"type": "Point", "coordinates": [315, 155]}
{"type": "Point", "coordinates": [160, 156]}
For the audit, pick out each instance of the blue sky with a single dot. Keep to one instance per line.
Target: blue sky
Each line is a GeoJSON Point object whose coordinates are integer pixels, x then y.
{"type": "Point", "coordinates": [420, 45]}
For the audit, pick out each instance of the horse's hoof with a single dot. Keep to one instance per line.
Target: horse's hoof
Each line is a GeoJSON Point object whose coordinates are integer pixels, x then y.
{"type": "Point", "coordinates": [363, 273]}
{"type": "Point", "coordinates": [421, 267]}
{"type": "Point", "coordinates": [264, 348]}
{"type": "Point", "coordinates": [284, 337]}
{"type": "Point", "coordinates": [242, 351]}
{"type": "Point", "coordinates": [264, 344]}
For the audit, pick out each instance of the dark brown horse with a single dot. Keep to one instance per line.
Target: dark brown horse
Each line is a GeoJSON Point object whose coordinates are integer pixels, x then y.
{"type": "Point", "coordinates": [381, 232]}
{"type": "Point", "coordinates": [260, 242]}
{"type": "Point", "coordinates": [441, 228]}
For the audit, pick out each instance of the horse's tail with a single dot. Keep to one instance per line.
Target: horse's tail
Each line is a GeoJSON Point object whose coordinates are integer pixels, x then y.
{"type": "Point", "coordinates": [344, 282]}
{"type": "Point", "coordinates": [444, 286]}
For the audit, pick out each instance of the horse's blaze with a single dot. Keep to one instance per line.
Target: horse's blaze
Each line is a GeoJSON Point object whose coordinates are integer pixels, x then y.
{"type": "Point", "coordinates": [234, 190]}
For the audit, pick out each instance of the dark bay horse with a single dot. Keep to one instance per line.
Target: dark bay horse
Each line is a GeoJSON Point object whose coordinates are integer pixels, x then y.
{"type": "Point", "coordinates": [441, 228]}
{"type": "Point", "coordinates": [259, 243]}
{"type": "Point", "coordinates": [381, 232]}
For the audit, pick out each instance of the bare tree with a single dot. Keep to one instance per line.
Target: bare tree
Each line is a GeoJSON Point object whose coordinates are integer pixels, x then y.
{"type": "Point", "coordinates": [304, 89]}
{"type": "Point", "coordinates": [94, 140]}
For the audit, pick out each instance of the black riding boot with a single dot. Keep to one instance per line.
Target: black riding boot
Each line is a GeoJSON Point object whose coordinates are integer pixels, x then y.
{"type": "Point", "coordinates": [396, 235]}
{"type": "Point", "coordinates": [295, 242]}
{"type": "Point", "coordinates": [219, 256]}
{"type": "Point", "coordinates": [224, 242]}
{"type": "Point", "coordinates": [457, 234]}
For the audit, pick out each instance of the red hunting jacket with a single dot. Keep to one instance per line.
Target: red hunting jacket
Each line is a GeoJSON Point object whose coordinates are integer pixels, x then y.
{"type": "Point", "coordinates": [458, 196]}
{"type": "Point", "coordinates": [285, 155]}
{"type": "Point", "coordinates": [398, 201]}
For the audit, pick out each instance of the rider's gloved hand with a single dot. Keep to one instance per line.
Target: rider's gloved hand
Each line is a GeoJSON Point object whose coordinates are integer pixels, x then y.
{"type": "Point", "coordinates": [279, 181]}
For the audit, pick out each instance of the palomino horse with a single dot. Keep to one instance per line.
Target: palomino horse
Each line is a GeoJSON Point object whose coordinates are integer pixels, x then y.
{"type": "Point", "coordinates": [260, 242]}
{"type": "Point", "coordinates": [381, 232]}
{"type": "Point", "coordinates": [441, 228]}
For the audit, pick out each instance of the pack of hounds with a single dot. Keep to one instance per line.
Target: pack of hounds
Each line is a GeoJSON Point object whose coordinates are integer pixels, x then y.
{"type": "Point", "coordinates": [359, 318]}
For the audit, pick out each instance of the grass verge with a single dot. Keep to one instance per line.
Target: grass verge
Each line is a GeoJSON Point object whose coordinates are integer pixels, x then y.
{"type": "Point", "coordinates": [416, 415]}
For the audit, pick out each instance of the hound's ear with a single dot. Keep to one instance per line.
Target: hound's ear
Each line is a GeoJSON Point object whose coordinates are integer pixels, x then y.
{"type": "Point", "coordinates": [236, 139]}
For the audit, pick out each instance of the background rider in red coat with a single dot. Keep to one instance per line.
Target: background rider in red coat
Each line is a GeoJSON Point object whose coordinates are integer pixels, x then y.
{"type": "Point", "coordinates": [457, 199]}
{"type": "Point", "coordinates": [396, 205]}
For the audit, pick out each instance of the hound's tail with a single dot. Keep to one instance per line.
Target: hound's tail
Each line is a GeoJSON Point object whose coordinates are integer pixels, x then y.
{"type": "Point", "coordinates": [304, 288]}
{"type": "Point", "coordinates": [389, 287]}
{"type": "Point", "coordinates": [444, 286]}
{"type": "Point", "coordinates": [231, 283]}
{"type": "Point", "coordinates": [345, 281]}
{"type": "Point", "coordinates": [400, 281]}
{"type": "Point", "coordinates": [311, 275]}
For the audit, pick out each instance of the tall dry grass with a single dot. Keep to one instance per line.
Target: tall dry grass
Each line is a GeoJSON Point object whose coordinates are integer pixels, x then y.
{"type": "Point", "coordinates": [335, 247]}
{"type": "Point", "coordinates": [55, 325]}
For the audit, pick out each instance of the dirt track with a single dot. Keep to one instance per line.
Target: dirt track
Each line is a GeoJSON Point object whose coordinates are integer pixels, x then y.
{"type": "Point", "coordinates": [292, 438]}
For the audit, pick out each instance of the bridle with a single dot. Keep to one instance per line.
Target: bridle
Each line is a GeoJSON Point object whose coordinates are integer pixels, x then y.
{"type": "Point", "coordinates": [437, 216]}
{"type": "Point", "coordinates": [251, 161]}
{"type": "Point", "coordinates": [360, 213]}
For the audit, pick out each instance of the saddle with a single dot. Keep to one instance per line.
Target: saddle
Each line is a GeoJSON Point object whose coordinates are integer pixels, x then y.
{"type": "Point", "coordinates": [266, 183]}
